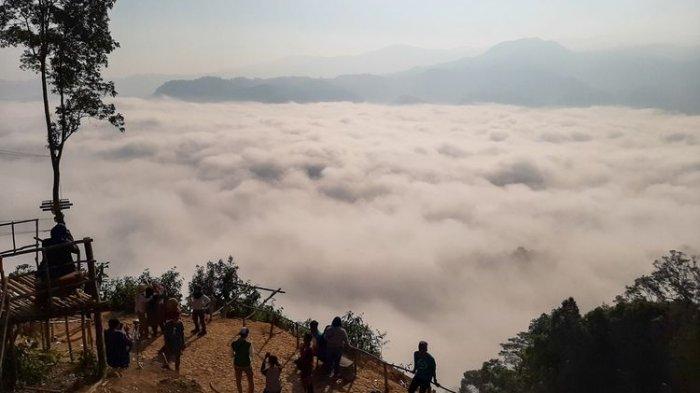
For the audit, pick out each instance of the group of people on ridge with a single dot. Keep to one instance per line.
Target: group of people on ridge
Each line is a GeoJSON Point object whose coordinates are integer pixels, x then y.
{"type": "Point", "coordinates": [320, 352]}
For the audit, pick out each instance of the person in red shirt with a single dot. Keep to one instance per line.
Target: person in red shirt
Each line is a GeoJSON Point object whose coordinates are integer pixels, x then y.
{"type": "Point", "coordinates": [306, 364]}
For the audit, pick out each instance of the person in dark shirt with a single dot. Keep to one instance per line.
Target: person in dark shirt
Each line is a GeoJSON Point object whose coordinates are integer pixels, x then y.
{"type": "Point", "coordinates": [306, 364]}
{"type": "Point", "coordinates": [174, 338]}
{"type": "Point", "coordinates": [243, 360]}
{"type": "Point", "coordinates": [318, 343]}
{"type": "Point", "coordinates": [117, 345]}
{"type": "Point", "coordinates": [424, 368]}
{"type": "Point", "coordinates": [57, 260]}
{"type": "Point", "coordinates": [336, 339]}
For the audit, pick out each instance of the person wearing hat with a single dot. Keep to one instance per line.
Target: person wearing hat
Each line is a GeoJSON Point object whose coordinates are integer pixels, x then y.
{"type": "Point", "coordinates": [424, 369]}
{"type": "Point", "coordinates": [243, 360]}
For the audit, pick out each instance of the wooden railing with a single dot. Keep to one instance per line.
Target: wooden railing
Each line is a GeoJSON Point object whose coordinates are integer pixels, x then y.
{"type": "Point", "coordinates": [356, 353]}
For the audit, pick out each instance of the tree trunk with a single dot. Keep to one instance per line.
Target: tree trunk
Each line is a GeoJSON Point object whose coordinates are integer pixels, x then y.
{"type": "Point", "coordinates": [56, 166]}
{"type": "Point", "coordinates": [53, 149]}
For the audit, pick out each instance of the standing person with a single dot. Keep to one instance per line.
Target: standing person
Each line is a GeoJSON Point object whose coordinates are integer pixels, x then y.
{"type": "Point", "coordinates": [424, 369]}
{"type": "Point", "coordinates": [174, 338]}
{"type": "Point", "coordinates": [318, 343]}
{"type": "Point", "coordinates": [243, 360]}
{"type": "Point", "coordinates": [117, 345]}
{"type": "Point", "coordinates": [272, 370]}
{"type": "Point", "coordinates": [140, 306]}
{"type": "Point", "coordinates": [336, 339]}
{"type": "Point", "coordinates": [199, 302]}
{"type": "Point", "coordinates": [306, 364]}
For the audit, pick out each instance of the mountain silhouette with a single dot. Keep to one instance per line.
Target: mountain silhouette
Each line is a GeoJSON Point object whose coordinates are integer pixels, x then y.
{"type": "Point", "coordinates": [529, 72]}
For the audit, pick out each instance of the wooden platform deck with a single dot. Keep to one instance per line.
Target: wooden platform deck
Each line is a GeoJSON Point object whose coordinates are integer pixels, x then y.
{"type": "Point", "coordinates": [66, 301]}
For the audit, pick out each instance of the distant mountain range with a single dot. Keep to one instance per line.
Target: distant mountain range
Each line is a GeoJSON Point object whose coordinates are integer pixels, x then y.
{"type": "Point", "coordinates": [530, 72]}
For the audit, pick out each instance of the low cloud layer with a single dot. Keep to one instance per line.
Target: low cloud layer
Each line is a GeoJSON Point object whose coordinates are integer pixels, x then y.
{"type": "Point", "coordinates": [454, 224]}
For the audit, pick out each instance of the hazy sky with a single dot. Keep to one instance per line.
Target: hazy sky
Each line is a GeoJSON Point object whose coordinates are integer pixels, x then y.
{"type": "Point", "coordinates": [186, 36]}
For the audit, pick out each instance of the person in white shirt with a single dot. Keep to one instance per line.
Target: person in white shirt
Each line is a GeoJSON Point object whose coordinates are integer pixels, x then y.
{"type": "Point", "coordinates": [140, 304]}
{"type": "Point", "coordinates": [199, 303]}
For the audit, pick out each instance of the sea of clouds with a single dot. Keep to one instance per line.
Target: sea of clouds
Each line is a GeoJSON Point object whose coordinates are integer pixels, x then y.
{"type": "Point", "coordinates": [453, 224]}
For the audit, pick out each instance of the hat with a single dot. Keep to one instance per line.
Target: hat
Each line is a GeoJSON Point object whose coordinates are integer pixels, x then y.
{"type": "Point", "coordinates": [244, 332]}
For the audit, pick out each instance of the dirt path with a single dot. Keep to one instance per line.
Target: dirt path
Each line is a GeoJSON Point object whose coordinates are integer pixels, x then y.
{"type": "Point", "coordinates": [207, 360]}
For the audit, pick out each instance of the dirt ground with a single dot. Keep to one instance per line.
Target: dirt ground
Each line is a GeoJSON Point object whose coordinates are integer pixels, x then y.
{"type": "Point", "coordinates": [207, 362]}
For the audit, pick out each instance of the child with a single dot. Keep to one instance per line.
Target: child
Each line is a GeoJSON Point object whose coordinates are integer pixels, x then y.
{"type": "Point", "coordinates": [306, 365]}
{"type": "Point", "coordinates": [243, 360]}
{"type": "Point", "coordinates": [174, 338]}
{"type": "Point", "coordinates": [271, 369]}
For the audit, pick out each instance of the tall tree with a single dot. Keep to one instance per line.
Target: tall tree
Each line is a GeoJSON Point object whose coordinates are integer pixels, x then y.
{"type": "Point", "coordinates": [66, 42]}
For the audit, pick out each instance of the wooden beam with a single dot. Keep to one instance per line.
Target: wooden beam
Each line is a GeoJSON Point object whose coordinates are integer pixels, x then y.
{"type": "Point", "coordinates": [92, 288]}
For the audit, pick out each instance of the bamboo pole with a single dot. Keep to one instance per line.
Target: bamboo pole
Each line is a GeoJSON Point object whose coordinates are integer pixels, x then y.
{"type": "Point", "coordinates": [92, 288]}
{"type": "Point", "coordinates": [70, 345]}
{"type": "Point", "coordinates": [82, 331]}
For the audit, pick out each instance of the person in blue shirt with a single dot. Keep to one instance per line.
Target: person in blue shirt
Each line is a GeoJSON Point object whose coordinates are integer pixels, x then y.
{"type": "Point", "coordinates": [117, 345]}
{"type": "Point", "coordinates": [424, 369]}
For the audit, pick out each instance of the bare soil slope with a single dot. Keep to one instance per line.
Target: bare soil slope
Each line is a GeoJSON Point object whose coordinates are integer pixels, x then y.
{"type": "Point", "coordinates": [207, 360]}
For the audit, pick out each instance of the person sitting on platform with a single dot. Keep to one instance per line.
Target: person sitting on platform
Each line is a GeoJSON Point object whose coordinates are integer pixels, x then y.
{"type": "Point", "coordinates": [57, 260]}
{"type": "Point", "coordinates": [117, 345]}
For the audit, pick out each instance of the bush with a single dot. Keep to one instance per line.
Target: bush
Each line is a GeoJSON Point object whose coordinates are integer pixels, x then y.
{"type": "Point", "coordinates": [33, 365]}
{"type": "Point", "coordinates": [121, 292]}
{"type": "Point", "coordinates": [221, 282]}
{"type": "Point", "coordinates": [87, 366]}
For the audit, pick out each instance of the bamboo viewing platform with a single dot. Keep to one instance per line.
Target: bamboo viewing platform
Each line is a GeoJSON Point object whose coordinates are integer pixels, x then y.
{"type": "Point", "coordinates": [35, 296]}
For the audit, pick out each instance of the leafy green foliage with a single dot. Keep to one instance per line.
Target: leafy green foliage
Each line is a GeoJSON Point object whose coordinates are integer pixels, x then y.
{"type": "Point", "coordinates": [221, 282]}
{"type": "Point", "coordinates": [67, 43]}
{"type": "Point", "coordinates": [33, 364]}
{"type": "Point", "coordinates": [676, 278]}
{"type": "Point", "coordinates": [87, 366]}
{"type": "Point", "coordinates": [121, 292]}
{"type": "Point", "coordinates": [648, 342]}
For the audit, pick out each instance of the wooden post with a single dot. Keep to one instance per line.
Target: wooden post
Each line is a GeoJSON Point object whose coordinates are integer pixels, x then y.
{"type": "Point", "coordinates": [47, 333]}
{"type": "Point", "coordinates": [88, 328]}
{"type": "Point", "coordinates": [82, 331]}
{"type": "Point", "coordinates": [296, 333]}
{"type": "Point", "coordinates": [70, 345]}
{"type": "Point", "coordinates": [386, 378]}
{"type": "Point", "coordinates": [92, 288]}
{"type": "Point", "coordinates": [272, 324]}
{"type": "Point", "coordinates": [52, 333]}
{"type": "Point", "coordinates": [5, 299]}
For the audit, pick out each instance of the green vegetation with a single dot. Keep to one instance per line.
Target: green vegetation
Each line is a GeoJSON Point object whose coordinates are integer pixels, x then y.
{"type": "Point", "coordinates": [649, 341]}
{"type": "Point", "coordinates": [221, 281]}
{"type": "Point", "coordinates": [121, 292]}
